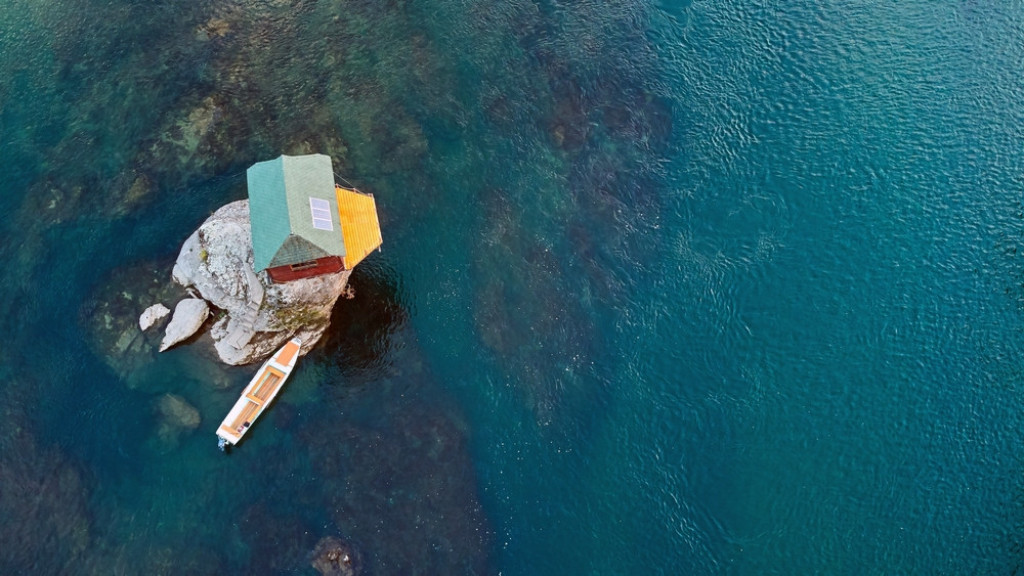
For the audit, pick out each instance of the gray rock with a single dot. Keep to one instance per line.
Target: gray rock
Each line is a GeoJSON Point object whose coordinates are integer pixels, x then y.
{"type": "Point", "coordinates": [260, 316]}
{"type": "Point", "coordinates": [189, 315]}
{"type": "Point", "coordinates": [152, 315]}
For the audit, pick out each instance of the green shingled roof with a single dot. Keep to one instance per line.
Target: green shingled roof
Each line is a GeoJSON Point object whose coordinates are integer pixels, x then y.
{"type": "Point", "coordinates": [280, 213]}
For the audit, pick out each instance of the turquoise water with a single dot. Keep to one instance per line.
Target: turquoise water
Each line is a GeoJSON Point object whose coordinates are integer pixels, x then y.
{"type": "Point", "coordinates": [666, 288]}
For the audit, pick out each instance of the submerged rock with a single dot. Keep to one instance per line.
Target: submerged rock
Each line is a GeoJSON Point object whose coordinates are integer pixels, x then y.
{"type": "Point", "coordinates": [332, 557]}
{"type": "Point", "coordinates": [152, 315]}
{"type": "Point", "coordinates": [189, 316]}
{"type": "Point", "coordinates": [47, 528]}
{"type": "Point", "coordinates": [177, 412]}
{"type": "Point", "coordinates": [259, 316]}
{"type": "Point", "coordinates": [109, 318]}
{"type": "Point", "coordinates": [176, 417]}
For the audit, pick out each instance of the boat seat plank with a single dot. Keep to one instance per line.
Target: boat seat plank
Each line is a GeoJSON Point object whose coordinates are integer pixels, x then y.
{"type": "Point", "coordinates": [246, 415]}
{"type": "Point", "coordinates": [267, 386]}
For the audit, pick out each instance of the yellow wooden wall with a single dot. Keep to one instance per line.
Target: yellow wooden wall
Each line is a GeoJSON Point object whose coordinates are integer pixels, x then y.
{"type": "Point", "coordinates": [359, 225]}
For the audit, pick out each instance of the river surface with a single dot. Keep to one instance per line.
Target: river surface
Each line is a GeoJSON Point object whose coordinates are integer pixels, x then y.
{"type": "Point", "coordinates": [710, 287]}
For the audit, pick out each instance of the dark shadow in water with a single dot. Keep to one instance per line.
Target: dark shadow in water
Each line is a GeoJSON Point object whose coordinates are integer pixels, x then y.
{"type": "Point", "coordinates": [360, 336]}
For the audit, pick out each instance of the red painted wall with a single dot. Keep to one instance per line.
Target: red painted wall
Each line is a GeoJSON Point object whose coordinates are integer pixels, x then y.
{"type": "Point", "coordinates": [323, 266]}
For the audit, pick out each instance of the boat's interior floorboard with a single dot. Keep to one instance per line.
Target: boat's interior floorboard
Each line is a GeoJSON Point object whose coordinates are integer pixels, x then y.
{"type": "Point", "coordinates": [246, 415]}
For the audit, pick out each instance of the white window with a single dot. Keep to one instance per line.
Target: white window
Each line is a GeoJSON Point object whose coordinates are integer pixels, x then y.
{"type": "Point", "coordinates": [321, 210]}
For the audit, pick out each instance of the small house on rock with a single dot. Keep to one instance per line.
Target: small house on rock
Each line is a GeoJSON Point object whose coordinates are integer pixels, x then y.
{"type": "Point", "coordinates": [303, 224]}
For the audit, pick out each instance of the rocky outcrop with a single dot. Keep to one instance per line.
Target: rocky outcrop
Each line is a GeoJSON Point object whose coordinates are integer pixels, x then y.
{"type": "Point", "coordinates": [189, 316]}
{"type": "Point", "coordinates": [258, 316]}
{"type": "Point", "coordinates": [332, 557]}
{"type": "Point", "coordinates": [152, 315]}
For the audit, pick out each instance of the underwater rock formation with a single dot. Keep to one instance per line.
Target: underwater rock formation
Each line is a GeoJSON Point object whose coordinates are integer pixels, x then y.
{"type": "Point", "coordinates": [109, 318]}
{"type": "Point", "coordinates": [406, 489]}
{"type": "Point", "coordinates": [46, 528]}
{"type": "Point", "coordinates": [256, 317]}
{"type": "Point", "coordinates": [332, 557]}
{"type": "Point", "coordinates": [176, 417]}
{"type": "Point", "coordinates": [177, 412]}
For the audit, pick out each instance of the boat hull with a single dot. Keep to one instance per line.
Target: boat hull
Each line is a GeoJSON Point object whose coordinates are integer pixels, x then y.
{"type": "Point", "coordinates": [260, 392]}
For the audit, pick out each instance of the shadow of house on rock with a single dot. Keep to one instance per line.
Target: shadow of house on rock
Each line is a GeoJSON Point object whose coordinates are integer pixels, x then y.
{"type": "Point", "coordinates": [305, 225]}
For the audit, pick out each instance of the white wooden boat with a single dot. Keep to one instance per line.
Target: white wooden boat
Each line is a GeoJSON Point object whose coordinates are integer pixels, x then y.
{"type": "Point", "coordinates": [260, 392]}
